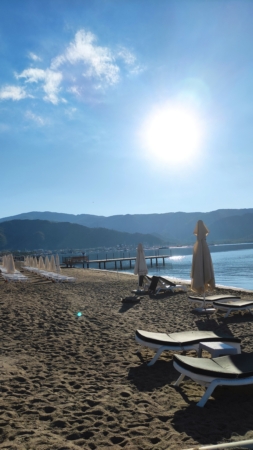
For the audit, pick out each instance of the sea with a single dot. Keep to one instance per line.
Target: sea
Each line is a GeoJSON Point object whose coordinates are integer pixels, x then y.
{"type": "Point", "coordinates": [233, 263]}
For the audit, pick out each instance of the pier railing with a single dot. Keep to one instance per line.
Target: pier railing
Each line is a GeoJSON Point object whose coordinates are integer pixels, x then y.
{"type": "Point", "coordinates": [118, 262]}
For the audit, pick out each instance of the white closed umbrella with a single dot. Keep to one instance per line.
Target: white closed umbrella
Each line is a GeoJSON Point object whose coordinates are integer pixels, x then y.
{"type": "Point", "coordinates": [57, 263]}
{"type": "Point", "coordinates": [10, 264]}
{"type": "Point", "coordinates": [140, 267]}
{"type": "Point", "coordinates": [47, 264]}
{"type": "Point", "coordinates": [41, 263]}
{"type": "Point", "coordinates": [52, 264]}
{"type": "Point", "coordinates": [202, 273]}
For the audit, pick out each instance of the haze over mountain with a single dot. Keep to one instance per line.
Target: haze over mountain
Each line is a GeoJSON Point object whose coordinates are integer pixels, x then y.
{"type": "Point", "coordinates": [42, 234]}
{"type": "Point", "coordinates": [225, 225]}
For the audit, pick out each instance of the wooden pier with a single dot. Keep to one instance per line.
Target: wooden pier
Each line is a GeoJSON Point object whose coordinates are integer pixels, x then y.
{"type": "Point", "coordinates": [118, 262]}
{"type": "Point", "coordinates": [70, 261]}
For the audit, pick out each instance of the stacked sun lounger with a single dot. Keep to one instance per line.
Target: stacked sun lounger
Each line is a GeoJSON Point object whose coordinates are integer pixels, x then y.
{"type": "Point", "coordinates": [17, 276]}
{"type": "Point", "coordinates": [57, 277]}
{"type": "Point", "coordinates": [8, 270]}
{"type": "Point", "coordinates": [47, 269]}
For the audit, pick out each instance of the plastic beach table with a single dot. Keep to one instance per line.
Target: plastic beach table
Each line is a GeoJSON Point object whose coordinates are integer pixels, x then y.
{"type": "Point", "coordinates": [216, 349]}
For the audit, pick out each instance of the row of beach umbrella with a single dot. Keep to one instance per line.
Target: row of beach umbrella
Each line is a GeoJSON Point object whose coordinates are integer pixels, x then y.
{"type": "Point", "coordinates": [49, 265]}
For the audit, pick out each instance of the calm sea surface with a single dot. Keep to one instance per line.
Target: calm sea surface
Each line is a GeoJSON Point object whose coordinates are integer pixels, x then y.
{"type": "Point", "coordinates": [233, 264]}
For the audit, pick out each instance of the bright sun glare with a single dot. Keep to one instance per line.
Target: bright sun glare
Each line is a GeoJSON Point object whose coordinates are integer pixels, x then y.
{"type": "Point", "coordinates": [172, 134]}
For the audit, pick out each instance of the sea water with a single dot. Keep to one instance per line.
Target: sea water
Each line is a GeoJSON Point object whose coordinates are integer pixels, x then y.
{"type": "Point", "coordinates": [231, 268]}
{"type": "Point", "coordinates": [233, 264]}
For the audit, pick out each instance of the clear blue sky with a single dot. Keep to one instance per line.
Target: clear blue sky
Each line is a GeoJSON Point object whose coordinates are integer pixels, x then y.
{"type": "Point", "coordinates": [125, 106]}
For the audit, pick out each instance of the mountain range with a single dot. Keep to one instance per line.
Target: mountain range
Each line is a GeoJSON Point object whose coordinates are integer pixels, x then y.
{"type": "Point", "coordinates": [27, 235]}
{"type": "Point", "coordinates": [225, 225]}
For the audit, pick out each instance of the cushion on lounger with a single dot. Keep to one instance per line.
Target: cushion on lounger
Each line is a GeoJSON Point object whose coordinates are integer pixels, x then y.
{"type": "Point", "coordinates": [237, 304]}
{"type": "Point", "coordinates": [184, 338]}
{"type": "Point", "coordinates": [213, 298]}
{"type": "Point", "coordinates": [230, 366]}
{"type": "Point", "coordinates": [167, 281]}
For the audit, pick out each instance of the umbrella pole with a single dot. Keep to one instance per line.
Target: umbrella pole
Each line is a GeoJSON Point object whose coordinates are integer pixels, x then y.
{"type": "Point", "coordinates": [204, 309]}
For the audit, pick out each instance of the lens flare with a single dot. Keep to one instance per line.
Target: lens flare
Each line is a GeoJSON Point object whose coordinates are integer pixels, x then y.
{"type": "Point", "coordinates": [172, 134]}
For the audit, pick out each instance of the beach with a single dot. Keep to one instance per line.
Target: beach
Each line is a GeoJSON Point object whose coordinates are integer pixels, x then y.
{"type": "Point", "coordinates": [72, 381]}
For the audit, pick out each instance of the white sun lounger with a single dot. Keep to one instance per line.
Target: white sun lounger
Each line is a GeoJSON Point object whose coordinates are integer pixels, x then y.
{"type": "Point", "coordinates": [197, 300]}
{"type": "Point", "coordinates": [19, 277]}
{"type": "Point", "coordinates": [182, 341]}
{"type": "Point", "coordinates": [232, 306]}
{"type": "Point", "coordinates": [231, 370]}
{"type": "Point", "coordinates": [52, 276]}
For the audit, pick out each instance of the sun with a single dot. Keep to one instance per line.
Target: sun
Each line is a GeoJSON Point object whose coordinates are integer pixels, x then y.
{"type": "Point", "coordinates": [172, 134]}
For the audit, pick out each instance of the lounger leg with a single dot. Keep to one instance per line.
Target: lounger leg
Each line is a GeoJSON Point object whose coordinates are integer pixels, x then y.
{"type": "Point", "coordinates": [158, 353]}
{"type": "Point", "coordinates": [181, 377]}
{"type": "Point", "coordinates": [227, 314]}
{"type": "Point", "coordinates": [208, 392]}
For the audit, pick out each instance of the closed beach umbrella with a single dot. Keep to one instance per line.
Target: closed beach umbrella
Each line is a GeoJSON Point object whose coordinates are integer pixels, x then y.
{"type": "Point", "coordinates": [140, 267]}
{"type": "Point", "coordinates": [202, 274]}
{"type": "Point", "coordinates": [52, 264]}
{"type": "Point", "coordinates": [47, 264]}
{"type": "Point", "coordinates": [57, 263]}
{"type": "Point", "coordinates": [41, 263]}
{"type": "Point", "coordinates": [10, 264]}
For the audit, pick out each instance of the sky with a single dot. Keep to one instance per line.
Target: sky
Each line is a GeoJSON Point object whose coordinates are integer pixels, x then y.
{"type": "Point", "coordinates": [114, 107]}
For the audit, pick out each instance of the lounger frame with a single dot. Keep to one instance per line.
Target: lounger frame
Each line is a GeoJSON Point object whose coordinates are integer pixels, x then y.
{"type": "Point", "coordinates": [234, 308]}
{"type": "Point", "coordinates": [210, 382]}
{"type": "Point", "coordinates": [177, 348]}
{"type": "Point", "coordinates": [209, 300]}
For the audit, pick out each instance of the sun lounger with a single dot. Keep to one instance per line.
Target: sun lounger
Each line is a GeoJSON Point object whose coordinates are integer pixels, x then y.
{"type": "Point", "coordinates": [231, 370]}
{"type": "Point", "coordinates": [14, 277]}
{"type": "Point", "coordinates": [199, 300]}
{"type": "Point", "coordinates": [167, 285]}
{"type": "Point", "coordinates": [158, 285]}
{"type": "Point", "coordinates": [182, 341]}
{"type": "Point", "coordinates": [169, 288]}
{"type": "Point", "coordinates": [232, 306]}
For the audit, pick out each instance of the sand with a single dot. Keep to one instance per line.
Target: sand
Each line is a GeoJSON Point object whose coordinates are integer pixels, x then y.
{"type": "Point", "coordinates": [70, 382]}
